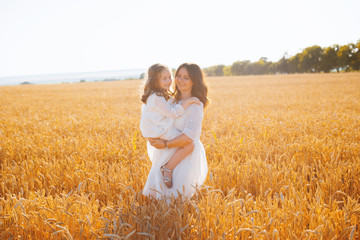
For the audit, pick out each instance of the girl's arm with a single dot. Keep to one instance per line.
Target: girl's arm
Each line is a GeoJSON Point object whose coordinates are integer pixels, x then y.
{"type": "Point", "coordinates": [190, 101]}
{"type": "Point", "coordinates": [166, 109]}
{"type": "Point", "coordinates": [169, 111]}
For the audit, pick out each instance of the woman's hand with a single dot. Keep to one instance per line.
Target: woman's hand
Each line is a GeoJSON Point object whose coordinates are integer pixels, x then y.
{"type": "Point", "coordinates": [157, 143]}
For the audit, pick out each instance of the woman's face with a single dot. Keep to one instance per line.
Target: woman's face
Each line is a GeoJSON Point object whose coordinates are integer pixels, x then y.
{"type": "Point", "coordinates": [165, 79]}
{"type": "Point", "coordinates": [183, 81]}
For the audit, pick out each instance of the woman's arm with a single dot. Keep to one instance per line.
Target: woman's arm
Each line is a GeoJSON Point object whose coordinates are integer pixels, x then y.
{"type": "Point", "coordinates": [179, 141]}
{"type": "Point", "coordinates": [191, 131]}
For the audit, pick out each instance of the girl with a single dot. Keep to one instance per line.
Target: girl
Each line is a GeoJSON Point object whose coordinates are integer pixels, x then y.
{"type": "Point", "coordinates": [157, 115]}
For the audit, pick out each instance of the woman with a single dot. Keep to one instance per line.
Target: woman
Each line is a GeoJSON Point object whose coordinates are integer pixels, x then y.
{"type": "Point", "coordinates": [190, 172]}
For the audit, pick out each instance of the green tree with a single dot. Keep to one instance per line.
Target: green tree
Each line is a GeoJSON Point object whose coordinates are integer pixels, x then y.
{"type": "Point", "coordinates": [209, 71]}
{"type": "Point", "coordinates": [310, 59]}
{"type": "Point", "coordinates": [330, 60]}
{"type": "Point", "coordinates": [216, 70]}
{"type": "Point", "coordinates": [281, 66]}
{"type": "Point", "coordinates": [272, 68]}
{"type": "Point", "coordinates": [344, 54]}
{"type": "Point", "coordinates": [219, 70]}
{"type": "Point", "coordinates": [355, 58]}
{"type": "Point", "coordinates": [261, 66]}
{"type": "Point", "coordinates": [240, 67]}
{"type": "Point", "coordinates": [227, 71]}
{"type": "Point", "coordinates": [294, 64]}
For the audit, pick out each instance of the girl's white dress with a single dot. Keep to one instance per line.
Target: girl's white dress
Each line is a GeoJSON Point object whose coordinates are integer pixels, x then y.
{"type": "Point", "coordinates": [157, 118]}
{"type": "Point", "coordinates": [191, 171]}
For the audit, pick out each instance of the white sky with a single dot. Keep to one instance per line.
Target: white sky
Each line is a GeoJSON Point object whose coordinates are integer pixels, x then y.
{"type": "Point", "coordinates": [49, 36]}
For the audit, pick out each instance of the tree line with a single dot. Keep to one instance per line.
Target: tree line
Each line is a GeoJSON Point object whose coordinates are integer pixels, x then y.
{"type": "Point", "coordinates": [314, 59]}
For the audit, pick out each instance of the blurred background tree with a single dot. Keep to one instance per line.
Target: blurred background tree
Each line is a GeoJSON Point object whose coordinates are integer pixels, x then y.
{"type": "Point", "coordinates": [216, 70]}
{"type": "Point", "coordinates": [329, 59]}
{"type": "Point", "coordinates": [309, 59]}
{"type": "Point", "coordinates": [344, 56]}
{"type": "Point", "coordinates": [355, 58]}
{"type": "Point", "coordinates": [313, 59]}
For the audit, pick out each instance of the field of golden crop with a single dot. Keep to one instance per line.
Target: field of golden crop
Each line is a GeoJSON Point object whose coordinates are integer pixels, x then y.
{"type": "Point", "coordinates": [283, 155]}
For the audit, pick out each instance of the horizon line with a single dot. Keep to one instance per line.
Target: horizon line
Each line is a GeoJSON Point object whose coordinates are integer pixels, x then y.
{"type": "Point", "coordinates": [64, 73]}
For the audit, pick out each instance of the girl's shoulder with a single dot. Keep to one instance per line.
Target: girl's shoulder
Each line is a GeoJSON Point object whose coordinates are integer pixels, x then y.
{"type": "Point", "coordinates": [152, 95]}
{"type": "Point", "coordinates": [156, 95]}
{"type": "Point", "coordinates": [155, 98]}
{"type": "Point", "coordinates": [151, 99]}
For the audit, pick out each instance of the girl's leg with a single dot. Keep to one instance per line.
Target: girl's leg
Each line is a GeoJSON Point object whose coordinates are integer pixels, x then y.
{"type": "Point", "coordinates": [175, 159]}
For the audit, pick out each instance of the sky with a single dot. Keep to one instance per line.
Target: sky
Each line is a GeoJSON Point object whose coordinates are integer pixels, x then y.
{"type": "Point", "coordinates": [65, 36]}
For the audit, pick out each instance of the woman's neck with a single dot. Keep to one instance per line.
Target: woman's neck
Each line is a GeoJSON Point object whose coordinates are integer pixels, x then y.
{"type": "Point", "coordinates": [185, 95]}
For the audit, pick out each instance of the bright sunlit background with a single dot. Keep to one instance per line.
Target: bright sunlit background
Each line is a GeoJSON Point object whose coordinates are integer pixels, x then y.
{"type": "Point", "coordinates": [43, 37]}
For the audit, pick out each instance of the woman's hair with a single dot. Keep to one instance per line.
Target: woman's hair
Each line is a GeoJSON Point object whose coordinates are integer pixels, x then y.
{"type": "Point", "coordinates": [199, 88]}
{"type": "Point", "coordinates": [152, 82]}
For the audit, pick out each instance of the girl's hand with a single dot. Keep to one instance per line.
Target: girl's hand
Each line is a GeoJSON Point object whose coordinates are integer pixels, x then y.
{"type": "Point", "coordinates": [190, 101]}
{"type": "Point", "coordinates": [194, 100]}
{"type": "Point", "coordinates": [157, 143]}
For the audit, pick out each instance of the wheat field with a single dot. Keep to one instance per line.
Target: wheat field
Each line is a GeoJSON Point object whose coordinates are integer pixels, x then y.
{"type": "Point", "coordinates": [283, 154]}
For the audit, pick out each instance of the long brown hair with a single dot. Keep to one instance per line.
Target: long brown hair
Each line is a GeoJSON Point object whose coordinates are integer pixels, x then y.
{"type": "Point", "coordinates": [199, 88]}
{"type": "Point", "coordinates": [152, 83]}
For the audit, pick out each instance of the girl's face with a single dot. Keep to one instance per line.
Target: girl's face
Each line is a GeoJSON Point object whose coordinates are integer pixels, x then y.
{"type": "Point", "coordinates": [165, 79]}
{"type": "Point", "coordinates": [183, 81]}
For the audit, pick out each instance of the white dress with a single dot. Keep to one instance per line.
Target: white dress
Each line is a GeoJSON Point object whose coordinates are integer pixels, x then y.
{"type": "Point", "coordinates": [191, 171]}
{"type": "Point", "coordinates": [157, 118]}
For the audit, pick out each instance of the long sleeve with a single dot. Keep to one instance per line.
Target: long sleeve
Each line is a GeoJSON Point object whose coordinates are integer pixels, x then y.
{"type": "Point", "coordinates": [193, 121]}
{"type": "Point", "coordinates": [166, 109]}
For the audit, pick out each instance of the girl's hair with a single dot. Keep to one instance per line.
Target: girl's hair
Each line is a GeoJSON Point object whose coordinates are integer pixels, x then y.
{"type": "Point", "coordinates": [199, 88]}
{"type": "Point", "coordinates": [152, 82]}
